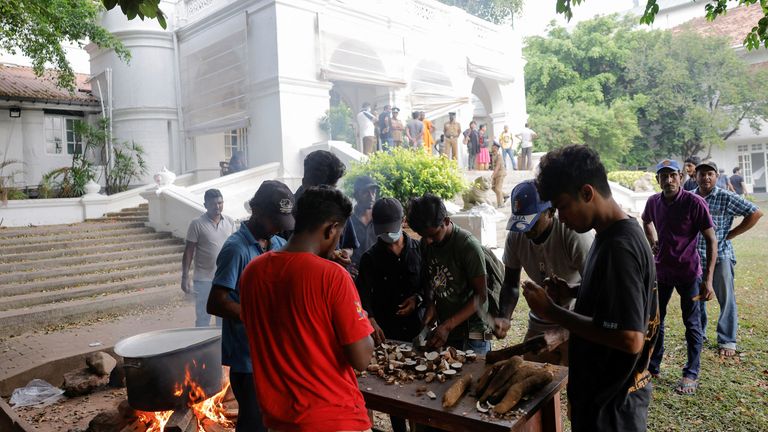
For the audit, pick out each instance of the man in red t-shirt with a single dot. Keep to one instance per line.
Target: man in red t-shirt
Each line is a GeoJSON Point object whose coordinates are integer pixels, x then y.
{"type": "Point", "coordinates": [306, 326]}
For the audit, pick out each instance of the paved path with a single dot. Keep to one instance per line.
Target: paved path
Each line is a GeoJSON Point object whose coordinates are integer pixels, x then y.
{"type": "Point", "coordinates": [32, 349]}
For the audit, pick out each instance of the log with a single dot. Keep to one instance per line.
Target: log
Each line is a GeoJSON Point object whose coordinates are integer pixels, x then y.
{"type": "Point", "coordinates": [135, 426]}
{"type": "Point", "coordinates": [531, 345]}
{"type": "Point", "coordinates": [182, 420]}
{"type": "Point", "coordinates": [211, 426]}
{"type": "Point", "coordinates": [231, 414]}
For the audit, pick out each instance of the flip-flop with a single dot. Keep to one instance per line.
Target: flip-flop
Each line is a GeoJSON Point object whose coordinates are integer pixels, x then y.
{"type": "Point", "coordinates": [727, 352]}
{"type": "Point", "coordinates": [687, 387]}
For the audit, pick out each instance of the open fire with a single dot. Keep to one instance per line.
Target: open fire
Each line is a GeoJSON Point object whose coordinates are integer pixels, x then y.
{"type": "Point", "coordinates": [203, 413]}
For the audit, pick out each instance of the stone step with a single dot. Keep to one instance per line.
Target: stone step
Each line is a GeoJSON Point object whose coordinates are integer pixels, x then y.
{"type": "Point", "coordinates": [128, 218]}
{"type": "Point", "coordinates": [64, 253]}
{"type": "Point", "coordinates": [79, 280]}
{"type": "Point", "coordinates": [53, 237]}
{"type": "Point", "coordinates": [38, 231]}
{"type": "Point", "coordinates": [53, 272]}
{"type": "Point", "coordinates": [129, 212]}
{"type": "Point", "coordinates": [148, 279]}
{"type": "Point", "coordinates": [19, 321]}
{"type": "Point", "coordinates": [76, 260]}
{"type": "Point", "coordinates": [76, 244]}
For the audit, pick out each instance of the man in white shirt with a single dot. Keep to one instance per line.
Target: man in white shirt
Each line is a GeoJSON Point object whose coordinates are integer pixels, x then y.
{"type": "Point", "coordinates": [526, 147]}
{"type": "Point", "coordinates": [205, 237]}
{"type": "Point", "coordinates": [367, 128]}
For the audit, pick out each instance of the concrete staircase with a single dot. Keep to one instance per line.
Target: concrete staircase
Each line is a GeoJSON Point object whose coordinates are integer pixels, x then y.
{"type": "Point", "coordinates": [55, 275]}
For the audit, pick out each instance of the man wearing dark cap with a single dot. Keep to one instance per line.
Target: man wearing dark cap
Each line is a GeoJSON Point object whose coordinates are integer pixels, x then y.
{"type": "Point", "coordinates": [690, 173]}
{"type": "Point", "coordinates": [271, 212]}
{"type": "Point", "coordinates": [389, 278]}
{"type": "Point", "coordinates": [385, 131]}
{"type": "Point", "coordinates": [724, 206]}
{"type": "Point", "coordinates": [673, 220]}
{"type": "Point", "coordinates": [205, 237]}
{"type": "Point", "coordinates": [545, 248]}
{"type": "Point", "coordinates": [365, 191]}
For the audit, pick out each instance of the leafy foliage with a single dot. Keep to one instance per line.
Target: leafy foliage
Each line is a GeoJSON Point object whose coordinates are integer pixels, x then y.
{"type": "Point", "coordinates": [406, 173]}
{"type": "Point", "coordinates": [37, 29]}
{"type": "Point", "coordinates": [495, 11]}
{"type": "Point", "coordinates": [628, 179]}
{"type": "Point", "coordinates": [141, 8]}
{"type": "Point", "coordinates": [337, 121]}
{"type": "Point", "coordinates": [757, 35]}
{"type": "Point", "coordinates": [8, 174]}
{"type": "Point", "coordinates": [637, 96]}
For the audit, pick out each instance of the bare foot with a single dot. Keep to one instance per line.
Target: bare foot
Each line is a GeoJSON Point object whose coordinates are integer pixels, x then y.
{"type": "Point", "coordinates": [727, 352]}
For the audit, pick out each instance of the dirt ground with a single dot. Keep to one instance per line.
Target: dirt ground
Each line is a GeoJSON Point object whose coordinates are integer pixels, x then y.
{"type": "Point", "coordinates": [71, 414]}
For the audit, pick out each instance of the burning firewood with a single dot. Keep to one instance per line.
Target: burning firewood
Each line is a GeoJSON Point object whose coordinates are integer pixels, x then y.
{"type": "Point", "coordinates": [135, 426]}
{"type": "Point", "coordinates": [211, 426]}
{"type": "Point", "coordinates": [182, 420]}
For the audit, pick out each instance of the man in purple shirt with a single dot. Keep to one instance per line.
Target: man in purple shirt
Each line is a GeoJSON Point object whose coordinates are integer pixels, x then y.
{"type": "Point", "coordinates": [672, 221]}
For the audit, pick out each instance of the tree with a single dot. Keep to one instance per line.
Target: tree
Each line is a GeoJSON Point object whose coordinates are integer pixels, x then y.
{"type": "Point", "coordinates": [757, 35]}
{"type": "Point", "coordinates": [637, 96]}
{"type": "Point", "coordinates": [575, 88]}
{"type": "Point", "coordinates": [495, 11]}
{"type": "Point", "coordinates": [699, 92]}
{"type": "Point", "coordinates": [37, 29]}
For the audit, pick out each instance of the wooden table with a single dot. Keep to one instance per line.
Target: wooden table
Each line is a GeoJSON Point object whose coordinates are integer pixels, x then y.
{"type": "Point", "coordinates": [542, 409]}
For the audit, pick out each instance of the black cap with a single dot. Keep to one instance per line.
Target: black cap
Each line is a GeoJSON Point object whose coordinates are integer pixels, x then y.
{"type": "Point", "coordinates": [364, 183]}
{"type": "Point", "coordinates": [395, 109]}
{"type": "Point", "coordinates": [693, 160]}
{"type": "Point", "coordinates": [275, 201]}
{"type": "Point", "coordinates": [451, 113]}
{"type": "Point", "coordinates": [387, 216]}
{"type": "Point", "coordinates": [706, 165]}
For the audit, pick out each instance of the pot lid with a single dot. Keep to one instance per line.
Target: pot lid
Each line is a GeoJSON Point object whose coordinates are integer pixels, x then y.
{"type": "Point", "coordinates": [165, 341]}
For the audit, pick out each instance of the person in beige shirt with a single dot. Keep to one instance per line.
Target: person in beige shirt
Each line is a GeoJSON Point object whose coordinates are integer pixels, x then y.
{"type": "Point", "coordinates": [396, 128]}
{"type": "Point", "coordinates": [451, 132]}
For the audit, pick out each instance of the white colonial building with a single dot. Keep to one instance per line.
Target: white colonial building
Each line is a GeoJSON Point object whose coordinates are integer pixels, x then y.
{"type": "Point", "coordinates": [258, 75]}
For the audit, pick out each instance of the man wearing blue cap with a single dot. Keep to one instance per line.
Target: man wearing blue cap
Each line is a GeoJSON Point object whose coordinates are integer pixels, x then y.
{"type": "Point", "coordinates": [542, 245]}
{"type": "Point", "coordinates": [672, 221]}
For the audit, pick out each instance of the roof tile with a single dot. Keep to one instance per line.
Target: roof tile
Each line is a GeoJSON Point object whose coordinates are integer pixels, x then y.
{"type": "Point", "coordinates": [20, 83]}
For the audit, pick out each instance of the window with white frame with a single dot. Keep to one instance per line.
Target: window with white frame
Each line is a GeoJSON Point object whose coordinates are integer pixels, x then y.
{"type": "Point", "coordinates": [60, 135]}
{"type": "Point", "coordinates": [235, 140]}
{"type": "Point", "coordinates": [745, 163]}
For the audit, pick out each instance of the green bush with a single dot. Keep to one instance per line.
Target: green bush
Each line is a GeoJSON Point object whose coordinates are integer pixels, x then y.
{"type": "Point", "coordinates": [405, 173]}
{"type": "Point", "coordinates": [337, 122]}
{"type": "Point", "coordinates": [628, 178]}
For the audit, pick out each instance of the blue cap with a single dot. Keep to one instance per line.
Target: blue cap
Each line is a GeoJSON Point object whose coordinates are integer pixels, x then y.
{"type": "Point", "coordinates": [667, 164]}
{"type": "Point", "coordinates": [526, 207]}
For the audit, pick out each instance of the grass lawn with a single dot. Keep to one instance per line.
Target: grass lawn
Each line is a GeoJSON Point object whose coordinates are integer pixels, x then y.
{"type": "Point", "coordinates": [733, 394]}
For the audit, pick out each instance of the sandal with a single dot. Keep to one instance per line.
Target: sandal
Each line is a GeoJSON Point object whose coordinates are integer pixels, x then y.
{"type": "Point", "coordinates": [727, 352]}
{"type": "Point", "coordinates": [687, 386]}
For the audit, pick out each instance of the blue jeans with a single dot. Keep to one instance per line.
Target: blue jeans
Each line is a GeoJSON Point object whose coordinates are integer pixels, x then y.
{"type": "Point", "coordinates": [511, 153]}
{"type": "Point", "coordinates": [728, 322]}
{"type": "Point", "coordinates": [694, 336]}
{"type": "Point", "coordinates": [249, 413]}
{"type": "Point", "coordinates": [202, 289]}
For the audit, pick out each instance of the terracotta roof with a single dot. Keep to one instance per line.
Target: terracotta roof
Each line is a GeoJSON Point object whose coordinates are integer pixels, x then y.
{"type": "Point", "coordinates": [734, 25]}
{"type": "Point", "coordinates": [20, 83]}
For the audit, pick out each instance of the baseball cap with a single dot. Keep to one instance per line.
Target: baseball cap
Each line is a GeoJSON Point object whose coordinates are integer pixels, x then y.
{"type": "Point", "coordinates": [387, 216]}
{"type": "Point", "coordinates": [526, 207]}
{"type": "Point", "coordinates": [396, 109]}
{"type": "Point", "coordinates": [708, 165]}
{"type": "Point", "coordinates": [276, 201]}
{"type": "Point", "coordinates": [365, 183]}
{"type": "Point", "coordinates": [670, 164]}
{"type": "Point", "coordinates": [452, 113]}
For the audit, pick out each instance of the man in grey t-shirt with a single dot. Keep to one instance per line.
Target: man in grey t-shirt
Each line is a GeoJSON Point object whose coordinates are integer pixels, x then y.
{"type": "Point", "coordinates": [414, 130]}
{"type": "Point", "coordinates": [544, 247]}
{"type": "Point", "coordinates": [205, 237]}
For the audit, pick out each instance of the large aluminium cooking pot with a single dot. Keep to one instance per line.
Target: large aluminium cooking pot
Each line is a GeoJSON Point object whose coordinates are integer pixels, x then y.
{"type": "Point", "coordinates": [156, 363]}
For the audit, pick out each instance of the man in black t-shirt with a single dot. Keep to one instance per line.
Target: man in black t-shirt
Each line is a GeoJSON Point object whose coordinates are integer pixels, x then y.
{"type": "Point", "coordinates": [615, 322]}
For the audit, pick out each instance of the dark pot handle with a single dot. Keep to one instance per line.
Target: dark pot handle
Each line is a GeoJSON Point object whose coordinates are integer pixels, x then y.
{"type": "Point", "coordinates": [131, 363]}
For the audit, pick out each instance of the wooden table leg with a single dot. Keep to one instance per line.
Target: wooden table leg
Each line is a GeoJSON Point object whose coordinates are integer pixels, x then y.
{"type": "Point", "coordinates": [551, 418]}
